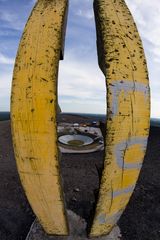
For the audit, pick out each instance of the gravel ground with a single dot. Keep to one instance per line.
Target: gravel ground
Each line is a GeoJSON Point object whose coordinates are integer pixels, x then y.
{"type": "Point", "coordinates": [141, 219]}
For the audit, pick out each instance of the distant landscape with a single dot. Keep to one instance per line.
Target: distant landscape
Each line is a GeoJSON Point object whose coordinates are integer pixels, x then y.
{"type": "Point", "coordinates": [4, 116]}
{"type": "Point", "coordinates": [155, 122]}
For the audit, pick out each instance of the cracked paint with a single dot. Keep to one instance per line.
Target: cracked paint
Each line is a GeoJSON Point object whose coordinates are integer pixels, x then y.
{"type": "Point", "coordinates": [34, 106]}
{"type": "Point", "coordinates": [33, 112]}
{"type": "Point", "coordinates": [122, 60]}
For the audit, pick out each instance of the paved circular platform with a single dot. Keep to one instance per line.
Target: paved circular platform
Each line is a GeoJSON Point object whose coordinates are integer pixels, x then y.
{"type": "Point", "coordinates": [75, 139]}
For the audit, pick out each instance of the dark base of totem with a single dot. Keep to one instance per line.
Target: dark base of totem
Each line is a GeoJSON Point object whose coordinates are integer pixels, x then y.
{"type": "Point", "coordinates": [77, 227]}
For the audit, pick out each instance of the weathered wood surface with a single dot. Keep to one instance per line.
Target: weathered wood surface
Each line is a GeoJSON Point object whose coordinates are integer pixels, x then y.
{"type": "Point", "coordinates": [122, 60]}
{"type": "Point", "coordinates": [33, 112]}
{"type": "Point", "coordinates": [34, 106]}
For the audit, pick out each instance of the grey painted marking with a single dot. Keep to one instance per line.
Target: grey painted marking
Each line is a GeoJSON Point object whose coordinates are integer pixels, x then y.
{"type": "Point", "coordinates": [127, 86]}
{"type": "Point", "coordinates": [121, 148]}
{"type": "Point", "coordinates": [119, 153]}
{"type": "Point", "coordinates": [103, 219]}
{"type": "Point", "coordinates": [123, 191]}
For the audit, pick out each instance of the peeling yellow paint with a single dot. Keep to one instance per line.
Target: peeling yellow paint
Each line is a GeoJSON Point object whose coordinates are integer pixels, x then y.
{"type": "Point", "coordinates": [33, 112]}
{"type": "Point", "coordinates": [34, 106]}
{"type": "Point", "coordinates": [122, 60]}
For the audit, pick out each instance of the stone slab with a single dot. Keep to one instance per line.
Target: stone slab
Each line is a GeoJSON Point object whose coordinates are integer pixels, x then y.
{"type": "Point", "coordinates": [77, 226]}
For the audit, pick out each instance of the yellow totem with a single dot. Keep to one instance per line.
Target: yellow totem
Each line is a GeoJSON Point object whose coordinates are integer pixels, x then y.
{"type": "Point", "coordinates": [34, 107]}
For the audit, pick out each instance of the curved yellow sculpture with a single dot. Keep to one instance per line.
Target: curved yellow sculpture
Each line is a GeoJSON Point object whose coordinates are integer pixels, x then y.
{"type": "Point", "coordinates": [33, 113]}
{"type": "Point", "coordinates": [122, 61]}
{"type": "Point", "coordinates": [34, 106]}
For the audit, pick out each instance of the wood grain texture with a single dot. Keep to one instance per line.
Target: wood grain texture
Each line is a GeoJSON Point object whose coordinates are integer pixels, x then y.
{"type": "Point", "coordinates": [33, 112]}
{"type": "Point", "coordinates": [34, 107]}
{"type": "Point", "coordinates": [121, 58]}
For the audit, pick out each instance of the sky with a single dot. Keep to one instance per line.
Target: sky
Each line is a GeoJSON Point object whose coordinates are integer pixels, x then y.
{"type": "Point", "coordinates": [81, 84]}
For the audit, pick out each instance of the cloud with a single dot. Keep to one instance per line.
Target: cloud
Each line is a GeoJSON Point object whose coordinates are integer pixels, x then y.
{"type": "Point", "coordinates": [146, 15]}
{"type": "Point", "coordinates": [154, 110]}
{"type": "Point", "coordinates": [81, 84]}
{"type": "Point", "coordinates": [10, 19]}
{"type": "Point", "coordinates": [86, 13]}
{"type": "Point", "coordinates": [6, 60]}
{"type": "Point", "coordinates": [5, 89]}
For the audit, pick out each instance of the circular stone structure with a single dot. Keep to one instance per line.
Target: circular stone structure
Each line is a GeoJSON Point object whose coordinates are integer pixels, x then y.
{"type": "Point", "coordinates": [75, 140]}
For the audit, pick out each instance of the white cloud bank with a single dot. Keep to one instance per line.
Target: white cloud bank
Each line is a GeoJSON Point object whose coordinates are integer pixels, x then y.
{"type": "Point", "coordinates": [81, 86]}
{"type": "Point", "coordinates": [5, 89]}
{"type": "Point", "coordinates": [81, 83]}
{"type": "Point", "coordinates": [147, 16]}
